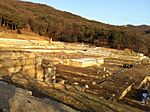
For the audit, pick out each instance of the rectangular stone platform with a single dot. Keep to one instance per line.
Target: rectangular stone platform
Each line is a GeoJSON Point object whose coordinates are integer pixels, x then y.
{"type": "Point", "coordinates": [85, 62]}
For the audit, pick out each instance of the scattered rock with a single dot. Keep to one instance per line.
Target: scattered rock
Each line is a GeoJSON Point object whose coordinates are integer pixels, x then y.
{"type": "Point", "coordinates": [113, 95]}
{"type": "Point", "coordinates": [75, 83]}
{"type": "Point", "coordinates": [131, 78]}
{"type": "Point", "coordinates": [62, 82]}
{"type": "Point", "coordinates": [101, 86]}
{"type": "Point", "coordinates": [104, 69]}
{"type": "Point", "coordinates": [98, 71]}
{"type": "Point", "coordinates": [19, 90]}
{"type": "Point", "coordinates": [87, 86]}
{"type": "Point", "coordinates": [104, 76]}
{"type": "Point", "coordinates": [93, 83]}
{"type": "Point", "coordinates": [68, 87]}
{"type": "Point", "coordinates": [54, 79]}
{"type": "Point", "coordinates": [109, 73]}
{"type": "Point", "coordinates": [60, 85]}
{"type": "Point", "coordinates": [127, 82]}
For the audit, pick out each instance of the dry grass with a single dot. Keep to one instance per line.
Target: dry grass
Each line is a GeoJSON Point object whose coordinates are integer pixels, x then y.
{"type": "Point", "coordinates": [26, 36]}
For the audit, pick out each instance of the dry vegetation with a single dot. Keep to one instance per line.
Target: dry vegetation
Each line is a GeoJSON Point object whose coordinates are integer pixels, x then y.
{"type": "Point", "coordinates": [64, 26]}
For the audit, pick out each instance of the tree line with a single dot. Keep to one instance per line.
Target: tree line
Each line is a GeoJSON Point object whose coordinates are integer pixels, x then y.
{"type": "Point", "coordinates": [63, 26]}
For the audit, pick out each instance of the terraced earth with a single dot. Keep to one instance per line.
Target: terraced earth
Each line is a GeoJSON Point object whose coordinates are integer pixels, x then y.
{"type": "Point", "coordinates": [105, 86]}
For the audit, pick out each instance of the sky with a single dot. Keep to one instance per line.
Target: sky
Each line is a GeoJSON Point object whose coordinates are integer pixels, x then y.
{"type": "Point", "coordinates": [115, 12]}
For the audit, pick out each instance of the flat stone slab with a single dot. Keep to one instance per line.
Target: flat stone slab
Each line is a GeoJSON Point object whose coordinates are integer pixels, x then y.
{"type": "Point", "coordinates": [85, 62]}
{"type": "Point", "coordinates": [19, 100]}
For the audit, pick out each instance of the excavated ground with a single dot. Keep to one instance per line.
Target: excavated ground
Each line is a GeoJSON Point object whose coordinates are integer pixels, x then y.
{"type": "Point", "coordinates": [108, 87]}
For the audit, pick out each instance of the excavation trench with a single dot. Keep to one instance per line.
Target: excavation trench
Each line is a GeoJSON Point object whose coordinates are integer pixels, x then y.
{"type": "Point", "coordinates": [133, 97]}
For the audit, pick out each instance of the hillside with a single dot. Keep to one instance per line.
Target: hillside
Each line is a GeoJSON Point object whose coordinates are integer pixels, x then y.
{"type": "Point", "coordinates": [64, 26]}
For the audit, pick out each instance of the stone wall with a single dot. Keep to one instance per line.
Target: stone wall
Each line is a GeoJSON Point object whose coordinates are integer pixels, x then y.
{"type": "Point", "coordinates": [26, 63]}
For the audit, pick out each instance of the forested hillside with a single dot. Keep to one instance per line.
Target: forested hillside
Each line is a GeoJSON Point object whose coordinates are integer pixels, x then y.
{"type": "Point", "coordinates": [64, 26]}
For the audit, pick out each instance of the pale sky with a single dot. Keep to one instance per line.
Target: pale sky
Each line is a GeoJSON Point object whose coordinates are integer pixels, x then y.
{"type": "Point", "coordinates": [116, 12]}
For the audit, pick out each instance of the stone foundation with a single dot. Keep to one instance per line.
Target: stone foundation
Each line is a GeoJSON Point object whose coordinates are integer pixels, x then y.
{"type": "Point", "coordinates": [85, 62]}
{"type": "Point", "coordinates": [28, 64]}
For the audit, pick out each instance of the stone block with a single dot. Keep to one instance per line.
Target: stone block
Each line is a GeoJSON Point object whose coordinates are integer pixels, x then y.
{"type": "Point", "coordinates": [49, 70]}
{"type": "Point", "coordinates": [28, 61]}
{"type": "Point", "coordinates": [85, 62]}
{"type": "Point", "coordinates": [29, 70]}
{"type": "Point", "coordinates": [14, 69]}
{"type": "Point", "coordinates": [66, 62]}
{"type": "Point", "coordinates": [125, 92]}
{"type": "Point", "coordinates": [39, 73]}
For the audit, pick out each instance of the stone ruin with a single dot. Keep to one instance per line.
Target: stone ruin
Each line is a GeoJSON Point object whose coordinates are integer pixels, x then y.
{"type": "Point", "coordinates": [27, 64]}
{"type": "Point", "coordinates": [85, 62]}
{"type": "Point", "coordinates": [49, 71]}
